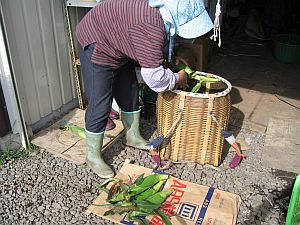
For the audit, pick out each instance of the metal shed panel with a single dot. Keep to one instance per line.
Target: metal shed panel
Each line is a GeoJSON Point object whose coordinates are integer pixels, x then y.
{"type": "Point", "coordinates": [39, 51]}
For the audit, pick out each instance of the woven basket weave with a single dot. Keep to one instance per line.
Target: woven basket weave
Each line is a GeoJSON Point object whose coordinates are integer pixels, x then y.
{"type": "Point", "coordinates": [196, 136]}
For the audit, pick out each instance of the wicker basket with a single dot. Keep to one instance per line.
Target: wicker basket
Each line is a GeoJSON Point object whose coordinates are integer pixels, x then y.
{"type": "Point", "coordinates": [186, 118]}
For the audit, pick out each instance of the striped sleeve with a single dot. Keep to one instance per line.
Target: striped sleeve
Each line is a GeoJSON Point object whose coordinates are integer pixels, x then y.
{"type": "Point", "coordinates": [148, 41]}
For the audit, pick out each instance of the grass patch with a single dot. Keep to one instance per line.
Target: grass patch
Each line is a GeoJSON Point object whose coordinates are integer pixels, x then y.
{"type": "Point", "coordinates": [32, 148]}
{"type": "Point", "coordinates": [11, 154]}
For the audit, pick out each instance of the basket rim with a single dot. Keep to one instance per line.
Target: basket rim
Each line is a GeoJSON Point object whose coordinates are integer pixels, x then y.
{"type": "Point", "coordinates": [215, 95]}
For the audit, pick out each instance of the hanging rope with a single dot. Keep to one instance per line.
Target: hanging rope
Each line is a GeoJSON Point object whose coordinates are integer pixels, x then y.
{"type": "Point", "coordinates": [217, 27]}
{"type": "Point", "coordinates": [171, 46]}
{"type": "Point", "coordinates": [216, 121]}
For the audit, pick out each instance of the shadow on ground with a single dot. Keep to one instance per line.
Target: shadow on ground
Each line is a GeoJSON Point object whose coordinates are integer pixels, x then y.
{"type": "Point", "coordinates": [274, 202]}
{"type": "Point", "coordinates": [235, 121]}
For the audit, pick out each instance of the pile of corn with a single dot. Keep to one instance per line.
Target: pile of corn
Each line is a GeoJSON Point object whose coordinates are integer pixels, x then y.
{"type": "Point", "coordinates": [138, 199]}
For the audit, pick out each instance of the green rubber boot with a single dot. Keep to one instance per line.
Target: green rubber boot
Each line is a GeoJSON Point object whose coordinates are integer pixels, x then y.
{"type": "Point", "coordinates": [94, 160]}
{"type": "Point", "coordinates": [131, 123]}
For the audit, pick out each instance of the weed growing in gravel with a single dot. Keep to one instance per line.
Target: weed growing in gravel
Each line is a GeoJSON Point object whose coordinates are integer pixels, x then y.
{"type": "Point", "coordinates": [11, 154]}
{"type": "Point", "coordinates": [32, 147]}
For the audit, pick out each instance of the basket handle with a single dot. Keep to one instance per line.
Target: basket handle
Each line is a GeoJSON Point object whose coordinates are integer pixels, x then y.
{"type": "Point", "coordinates": [174, 126]}
{"type": "Point", "coordinates": [172, 129]}
{"type": "Point", "coordinates": [207, 129]}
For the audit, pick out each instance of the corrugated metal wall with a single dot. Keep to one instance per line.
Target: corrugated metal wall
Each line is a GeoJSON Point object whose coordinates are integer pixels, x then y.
{"type": "Point", "coordinates": [39, 51]}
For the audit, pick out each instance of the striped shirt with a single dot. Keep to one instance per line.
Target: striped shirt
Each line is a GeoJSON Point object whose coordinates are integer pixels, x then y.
{"type": "Point", "coordinates": [128, 29]}
{"type": "Point", "coordinates": [123, 29]}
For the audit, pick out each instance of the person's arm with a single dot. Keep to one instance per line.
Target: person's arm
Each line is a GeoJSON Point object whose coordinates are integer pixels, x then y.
{"type": "Point", "coordinates": [160, 79]}
{"type": "Point", "coordinates": [148, 40]}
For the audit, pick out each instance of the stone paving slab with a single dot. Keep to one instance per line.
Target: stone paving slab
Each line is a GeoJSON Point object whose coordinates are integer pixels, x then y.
{"type": "Point", "coordinates": [282, 144]}
{"type": "Point", "coordinates": [265, 109]}
{"type": "Point", "coordinates": [253, 109]}
{"type": "Point", "coordinates": [248, 100]}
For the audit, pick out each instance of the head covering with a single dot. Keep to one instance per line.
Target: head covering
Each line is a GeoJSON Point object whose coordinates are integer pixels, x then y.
{"type": "Point", "coordinates": [186, 18]}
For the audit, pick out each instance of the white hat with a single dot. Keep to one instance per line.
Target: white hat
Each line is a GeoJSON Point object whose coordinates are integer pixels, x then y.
{"type": "Point", "coordinates": [187, 18]}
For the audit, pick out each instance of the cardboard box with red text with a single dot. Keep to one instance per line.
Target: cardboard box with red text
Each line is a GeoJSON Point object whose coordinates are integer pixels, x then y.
{"type": "Point", "coordinates": [189, 203]}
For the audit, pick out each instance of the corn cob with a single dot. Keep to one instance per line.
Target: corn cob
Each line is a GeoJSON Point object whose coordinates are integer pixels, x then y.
{"type": "Point", "coordinates": [127, 203]}
{"type": "Point", "coordinates": [198, 77]}
{"type": "Point", "coordinates": [147, 183]}
{"type": "Point", "coordinates": [79, 131]}
{"type": "Point", "coordinates": [188, 70]}
{"type": "Point", "coordinates": [160, 197]}
{"type": "Point", "coordinates": [147, 206]}
{"type": "Point", "coordinates": [150, 192]}
{"type": "Point", "coordinates": [193, 75]}
{"type": "Point", "coordinates": [117, 197]}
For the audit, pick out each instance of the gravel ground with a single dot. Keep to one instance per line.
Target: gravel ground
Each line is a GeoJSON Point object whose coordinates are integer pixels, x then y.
{"type": "Point", "coordinates": [43, 189]}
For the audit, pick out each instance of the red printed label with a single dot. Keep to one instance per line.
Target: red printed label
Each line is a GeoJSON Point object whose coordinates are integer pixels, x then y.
{"type": "Point", "coordinates": [169, 206]}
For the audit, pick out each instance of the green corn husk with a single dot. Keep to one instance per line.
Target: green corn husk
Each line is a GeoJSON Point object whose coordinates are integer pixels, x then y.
{"type": "Point", "coordinates": [140, 179]}
{"type": "Point", "coordinates": [197, 87]}
{"type": "Point", "coordinates": [150, 192]}
{"type": "Point", "coordinates": [200, 79]}
{"type": "Point", "coordinates": [203, 78]}
{"type": "Point", "coordinates": [117, 197]}
{"type": "Point", "coordinates": [152, 179]}
{"type": "Point", "coordinates": [160, 197]}
{"type": "Point", "coordinates": [136, 214]}
{"type": "Point", "coordinates": [147, 206]}
{"type": "Point", "coordinates": [147, 183]}
{"type": "Point", "coordinates": [188, 70]}
{"type": "Point", "coordinates": [127, 203]}
{"type": "Point", "coordinates": [79, 131]}
{"type": "Point", "coordinates": [139, 199]}
{"type": "Point", "coordinates": [192, 75]}
{"type": "Point", "coordinates": [120, 210]}
{"type": "Point", "coordinates": [163, 216]}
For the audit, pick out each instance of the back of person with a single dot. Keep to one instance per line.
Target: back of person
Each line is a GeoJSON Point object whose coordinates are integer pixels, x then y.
{"type": "Point", "coordinates": [123, 29]}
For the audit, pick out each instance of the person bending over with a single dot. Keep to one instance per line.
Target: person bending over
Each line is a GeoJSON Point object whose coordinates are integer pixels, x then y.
{"type": "Point", "coordinates": [113, 35]}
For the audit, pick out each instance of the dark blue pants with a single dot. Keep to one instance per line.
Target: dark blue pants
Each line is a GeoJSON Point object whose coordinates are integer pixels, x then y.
{"type": "Point", "coordinates": [102, 84]}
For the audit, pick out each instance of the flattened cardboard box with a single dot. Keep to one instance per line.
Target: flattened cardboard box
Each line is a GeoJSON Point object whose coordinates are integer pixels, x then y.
{"type": "Point", "coordinates": [65, 144]}
{"type": "Point", "coordinates": [191, 203]}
